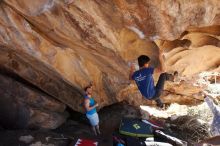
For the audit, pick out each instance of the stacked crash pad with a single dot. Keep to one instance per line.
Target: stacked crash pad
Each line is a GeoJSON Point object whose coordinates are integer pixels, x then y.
{"type": "Point", "coordinates": [135, 128]}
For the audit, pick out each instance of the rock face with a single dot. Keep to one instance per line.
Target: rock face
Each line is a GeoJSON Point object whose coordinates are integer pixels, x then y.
{"type": "Point", "coordinates": [194, 52]}
{"type": "Point", "coordinates": [60, 46]}
{"type": "Point", "coordinates": [23, 106]}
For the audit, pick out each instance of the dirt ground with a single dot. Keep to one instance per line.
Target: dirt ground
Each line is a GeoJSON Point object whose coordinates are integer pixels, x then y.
{"type": "Point", "coordinates": [76, 127]}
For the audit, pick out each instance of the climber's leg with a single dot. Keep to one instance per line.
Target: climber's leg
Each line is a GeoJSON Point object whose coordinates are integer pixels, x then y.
{"type": "Point", "coordinates": [160, 87]}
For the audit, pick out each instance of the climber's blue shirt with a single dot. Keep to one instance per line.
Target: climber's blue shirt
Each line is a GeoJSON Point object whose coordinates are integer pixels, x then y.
{"type": "Point", "coordinates": [91, 103]}
{"type": "Point", "coordinates": [145, 82]}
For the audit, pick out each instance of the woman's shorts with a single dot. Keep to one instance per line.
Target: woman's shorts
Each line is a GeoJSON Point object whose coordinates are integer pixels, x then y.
{"type": "Point", "coordinates": [93, 119]}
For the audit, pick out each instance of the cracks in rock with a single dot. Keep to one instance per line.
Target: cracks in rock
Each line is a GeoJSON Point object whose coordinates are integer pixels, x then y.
{"type": "Point", "coordinates": [9, 73]}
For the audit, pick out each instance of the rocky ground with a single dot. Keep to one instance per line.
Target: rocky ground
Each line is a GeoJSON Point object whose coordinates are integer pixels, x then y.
{"type": "Point", "coordinates": [109, 122]}
{"type": "Point", "coordinates": [187, 128]}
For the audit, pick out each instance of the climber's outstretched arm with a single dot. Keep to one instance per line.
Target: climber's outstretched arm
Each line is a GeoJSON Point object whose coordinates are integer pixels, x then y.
{"type": "Point", "coordinates": [160, 68]}
{"type": "Point", "coordinates": [132, 70]}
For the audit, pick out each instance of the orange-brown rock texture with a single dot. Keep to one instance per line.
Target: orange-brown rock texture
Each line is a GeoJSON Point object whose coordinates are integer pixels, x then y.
{"type": "Point", "coordinates": [59, 46]}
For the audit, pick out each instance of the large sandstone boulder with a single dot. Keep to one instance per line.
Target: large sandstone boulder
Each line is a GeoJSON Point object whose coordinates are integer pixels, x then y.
{"type": "Point", "coordinates": [60, 46]}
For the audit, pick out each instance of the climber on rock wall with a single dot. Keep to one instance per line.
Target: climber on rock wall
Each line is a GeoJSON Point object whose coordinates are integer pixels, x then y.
{"type": "Point", "coordinates": [145, 82]}
{"type": "Point", "coordinates": [91, 112]}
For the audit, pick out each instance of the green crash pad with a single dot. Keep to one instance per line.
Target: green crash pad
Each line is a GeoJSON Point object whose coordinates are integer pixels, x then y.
{"type": "Point", "coordinates": [135, 127]}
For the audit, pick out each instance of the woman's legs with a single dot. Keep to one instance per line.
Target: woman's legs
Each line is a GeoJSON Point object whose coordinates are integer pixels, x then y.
{"type": "Point", "coordinates": [97, 129]}
{"type": "Point", "coordinates": [94, 121]}
{"type": "Point", "coordinates": [94, 130]}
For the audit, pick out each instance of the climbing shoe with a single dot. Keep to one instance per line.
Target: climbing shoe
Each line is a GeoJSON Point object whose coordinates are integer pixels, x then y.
{"type": "Point", "coordinates": [172, 77]}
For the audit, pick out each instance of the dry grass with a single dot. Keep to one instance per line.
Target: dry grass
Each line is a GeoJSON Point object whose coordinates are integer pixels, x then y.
{"type": "Point", "coordinates": [189, 128]}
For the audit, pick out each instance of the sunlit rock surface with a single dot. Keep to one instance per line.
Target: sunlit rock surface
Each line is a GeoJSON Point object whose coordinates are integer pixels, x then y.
{"type": "Point", "coordinates": [59, 47]}
{"type": "Point", "coordinates": [196, 51]}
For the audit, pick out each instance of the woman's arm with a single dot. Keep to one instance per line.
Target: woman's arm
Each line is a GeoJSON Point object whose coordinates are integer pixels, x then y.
{"type": "Point", "coordinates": [88, 108]}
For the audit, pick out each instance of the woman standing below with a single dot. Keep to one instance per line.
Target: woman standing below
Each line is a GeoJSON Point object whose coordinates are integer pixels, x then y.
{"type": "Point", "coordinates": [91, 112]}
